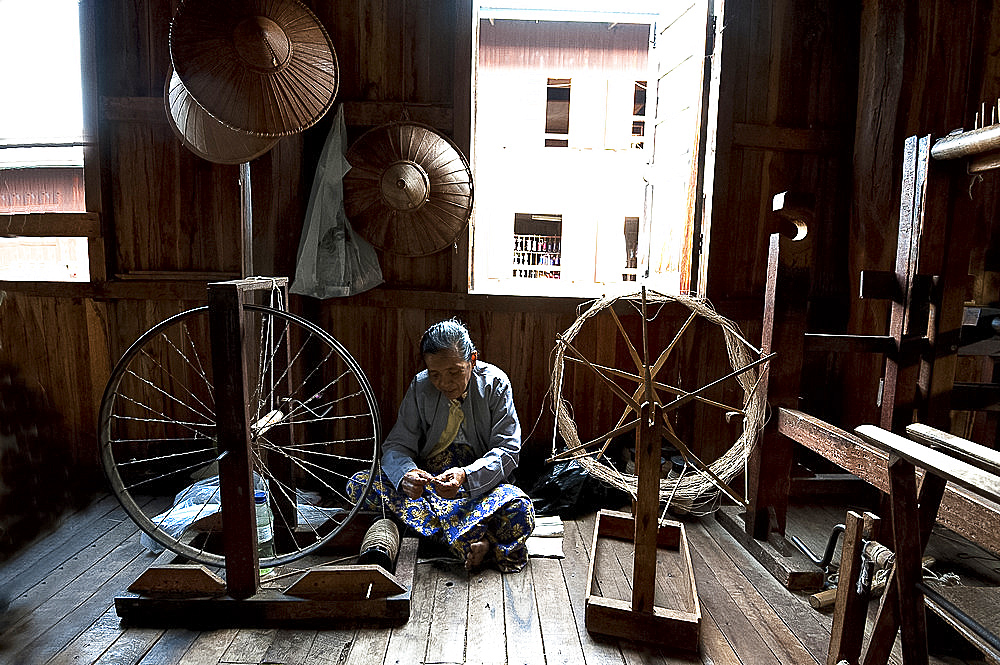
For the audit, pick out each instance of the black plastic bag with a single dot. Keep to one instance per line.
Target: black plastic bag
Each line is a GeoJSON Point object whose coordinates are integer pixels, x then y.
{"type": "Point", "coordinates": [567, 490]}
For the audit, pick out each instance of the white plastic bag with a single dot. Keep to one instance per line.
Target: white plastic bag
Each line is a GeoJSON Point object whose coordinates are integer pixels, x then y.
{"type": "Point", "coordinates": [333, 261]}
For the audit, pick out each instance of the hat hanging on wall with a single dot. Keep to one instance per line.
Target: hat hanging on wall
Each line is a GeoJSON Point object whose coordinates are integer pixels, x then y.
{"type": "Point", "coordinates": [264, 67]}
{"type": "Point", "coordinates": [204, 135]}
{"type": "Point", "coordinates": [409, 190]}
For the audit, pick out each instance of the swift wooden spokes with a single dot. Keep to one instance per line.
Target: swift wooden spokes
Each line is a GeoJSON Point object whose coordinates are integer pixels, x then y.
{"type": "Point", "coordinates": [622, 361]}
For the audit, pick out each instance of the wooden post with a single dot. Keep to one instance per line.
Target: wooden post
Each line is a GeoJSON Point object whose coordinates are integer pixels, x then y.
{"type": "Point", "coordinates": [783, 331]}
{"type": "Point", "coordinates": [647, 468]}
{"type": "Point", "coordinates": [887, 622]}
{"type": "Point", "coordinates": [851, 610]}
{"type": "Point", "coordinates": [225, 303]}
{"type": "Point", "coordinates": [902, 368]}
{"type": "Point", "coordinates": [908, 547]}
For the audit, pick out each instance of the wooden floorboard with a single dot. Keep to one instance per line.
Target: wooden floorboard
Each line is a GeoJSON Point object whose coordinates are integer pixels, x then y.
{"type": "Point", "coordinates": [523, 630]}
{"type": "Point", "coordinates": [577, 538]}
{"type": "Point", "coordinates": [62, 590]}
{"type": "Point", "coordinates": [485, 638]}
{"type": "Point", "coordinates": [446, 638]}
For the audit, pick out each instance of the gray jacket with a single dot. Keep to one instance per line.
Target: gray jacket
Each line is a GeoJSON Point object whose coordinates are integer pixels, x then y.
{"type": "Point", "coordinates": [491, 426]}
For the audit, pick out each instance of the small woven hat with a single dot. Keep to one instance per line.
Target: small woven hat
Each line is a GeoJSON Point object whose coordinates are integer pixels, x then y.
{"type": "Point", "coordinates": [204, 135]}
{"type": "Point", "coordinates": [409, 190]}
{"type": "Point", "coordinates": [264, 67]}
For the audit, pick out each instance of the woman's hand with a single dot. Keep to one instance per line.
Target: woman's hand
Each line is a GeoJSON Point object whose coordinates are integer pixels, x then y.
{"type": "Point", "coordinates": [449, 482]}
{"type": "Point", "coordinates": [414, 482]}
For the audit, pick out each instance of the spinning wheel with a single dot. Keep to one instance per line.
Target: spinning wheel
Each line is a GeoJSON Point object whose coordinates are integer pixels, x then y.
{"type": "Point", "coordinates": [667, 340]}
{"type": "Point", "coordinates": [313, 422]}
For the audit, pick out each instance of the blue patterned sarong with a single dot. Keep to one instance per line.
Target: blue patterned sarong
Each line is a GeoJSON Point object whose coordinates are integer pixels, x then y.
{"type": "Point", "coordinates": [504, 517]}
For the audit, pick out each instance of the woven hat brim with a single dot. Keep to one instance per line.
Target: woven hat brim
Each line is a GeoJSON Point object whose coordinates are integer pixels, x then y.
{"type": "Point", "coordinates": [267, 102]}
{"type": "Point", "coordinates": [429, 227]}
{"type": "Point", "coordinates": [204, 135]}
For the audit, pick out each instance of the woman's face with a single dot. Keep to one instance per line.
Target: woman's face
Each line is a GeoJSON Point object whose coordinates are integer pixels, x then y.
{"type": "Point", "coordinates": [449, 372]}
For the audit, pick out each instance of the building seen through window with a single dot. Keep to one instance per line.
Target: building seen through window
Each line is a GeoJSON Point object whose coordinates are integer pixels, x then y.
{"type": "Point", "coordinates": [565, 148]}
{"type": "Point", "coordinates": [41, 135]}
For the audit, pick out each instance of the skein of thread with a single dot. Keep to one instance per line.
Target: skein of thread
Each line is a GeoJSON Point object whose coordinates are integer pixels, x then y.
{"type": "Point", "coordinates": [381, 545]}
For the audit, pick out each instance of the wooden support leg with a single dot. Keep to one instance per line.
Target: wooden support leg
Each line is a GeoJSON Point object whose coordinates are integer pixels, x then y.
{"type": "Point", "coordinates": [887, 621]}
{"type": "Point", "coordinates": [225, 302]}
{"type": "Point", "coordinates": [646, 511]}
{"type": "Point", "coordinates": [909, 549]}
{"type": "Point", "coordinates": [851, 610]}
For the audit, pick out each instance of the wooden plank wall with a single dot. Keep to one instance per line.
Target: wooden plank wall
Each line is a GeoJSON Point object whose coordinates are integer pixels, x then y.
{"type": "Point", "coordinates": [789, 105]}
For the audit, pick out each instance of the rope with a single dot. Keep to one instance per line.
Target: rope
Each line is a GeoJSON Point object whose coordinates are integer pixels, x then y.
{"type": "Point", "coordinates": [697, 489]}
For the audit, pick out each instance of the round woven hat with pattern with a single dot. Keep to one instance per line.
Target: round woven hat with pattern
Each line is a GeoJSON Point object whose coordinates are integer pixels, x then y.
{"type": "Point", "coordinates": [204, 135]}
{"type": "Point", "coordinates": [264, 67]}
{"type": "Point", "coordinates": [409, 190]}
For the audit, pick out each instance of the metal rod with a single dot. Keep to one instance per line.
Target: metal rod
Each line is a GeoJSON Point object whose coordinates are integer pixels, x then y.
{"type": "Point", "coordinates": [246, 217]}
{"type": "Point", "coordinates": [962, 144]}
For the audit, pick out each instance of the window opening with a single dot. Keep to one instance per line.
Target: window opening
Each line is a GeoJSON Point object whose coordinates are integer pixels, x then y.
{"type": "Point", "coordinates": [41, 136]}
{"type": "Point", "coordinates": [639, 113]}
{"type": "Point", "coordinates": [631, 249]}
{"type": "Point", "coordinates": [557, 94]}
{"type": "Point", "coordinates": [537, 246]}
{"type": "Point", "coordinates": [629, 80]}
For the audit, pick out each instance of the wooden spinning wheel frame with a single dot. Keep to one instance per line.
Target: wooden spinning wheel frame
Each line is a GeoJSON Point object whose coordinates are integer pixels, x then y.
{"type": "Point", "coordinates": [644, 381]}
{"type": "Point", "coordinates": [244, 390]}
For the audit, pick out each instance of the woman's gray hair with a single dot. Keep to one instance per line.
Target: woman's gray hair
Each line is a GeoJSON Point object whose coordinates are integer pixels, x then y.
{"type": "Point", "coordinates": [451, 334]}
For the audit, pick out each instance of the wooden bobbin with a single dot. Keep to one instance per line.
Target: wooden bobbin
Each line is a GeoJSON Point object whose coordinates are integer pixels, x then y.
{"type": "Point", "coordinates": [381, 545]}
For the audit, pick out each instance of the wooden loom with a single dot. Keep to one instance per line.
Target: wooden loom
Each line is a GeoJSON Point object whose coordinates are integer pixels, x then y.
{"type": "Point", "coordinates": [919, 371]}
{"type": "Point", "coordinates": [918, 382]}
{"type": "Point", "coordinates": [171, 592]}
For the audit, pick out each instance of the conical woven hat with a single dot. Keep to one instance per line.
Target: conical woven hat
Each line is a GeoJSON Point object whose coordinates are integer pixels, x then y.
{"type": "Point", "coordinates": [409, 190]}
{"type": "Point", "coordinates": [204, 135]}
{"type": "Point", "coordinates": [264, 67]}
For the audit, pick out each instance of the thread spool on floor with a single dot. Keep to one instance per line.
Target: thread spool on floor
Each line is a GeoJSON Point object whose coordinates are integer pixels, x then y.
{"type": "Point", "coordinates": [381, 545]}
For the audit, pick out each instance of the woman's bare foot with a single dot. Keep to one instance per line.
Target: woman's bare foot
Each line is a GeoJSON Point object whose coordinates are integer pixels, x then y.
{"type": "Point", "coordinates": [477, 552]}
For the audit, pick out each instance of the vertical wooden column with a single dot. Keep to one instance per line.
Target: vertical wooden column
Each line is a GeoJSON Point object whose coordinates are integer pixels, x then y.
{"type": "Point", "coordinates": [647, 468]}
{"type": "Point", "coordinates": [902, 368]}
{"type": "Point", "coordinates": [851, 610]}
{"type": "Point", "coordinates": [784, 326]}
{"type": "Point", "coordinates": [887, 622]}
{"type": "Point", "coordinates": [239, 523]}
{"type": "Point", "coordinates": [908, 548]}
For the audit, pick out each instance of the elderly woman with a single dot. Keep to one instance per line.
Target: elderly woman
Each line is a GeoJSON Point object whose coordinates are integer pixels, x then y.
{"type": "Point", "coordinates": [446, 462]}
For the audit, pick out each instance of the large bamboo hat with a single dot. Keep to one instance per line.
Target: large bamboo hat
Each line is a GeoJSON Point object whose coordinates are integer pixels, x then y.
{"type": "Point", "coordinates": [264, 67]}
{"type": "Point", "coordinates": [409, 190]}
{"type": "Point", "coordinates": [204, 135]}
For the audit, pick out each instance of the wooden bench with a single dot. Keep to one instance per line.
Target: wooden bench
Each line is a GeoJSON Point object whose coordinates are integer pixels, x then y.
{"type": "Point", "coordinates": [944, 458]}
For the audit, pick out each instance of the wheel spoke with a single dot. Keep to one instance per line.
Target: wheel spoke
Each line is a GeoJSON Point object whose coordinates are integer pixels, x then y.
{"type": "Point", "coordinates": [611, 384]}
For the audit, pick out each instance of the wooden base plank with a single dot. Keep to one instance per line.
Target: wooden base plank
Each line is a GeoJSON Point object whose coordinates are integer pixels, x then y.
{"type": "Point", "coordinates": [272, 608]}
{"type": "Point", "coordinates": [793, 569]}
{"type": "Point", "coordinates": [345, 582]}
{"type": "Point", "coordinates": [178, 578]}
{"type": "Point", "coordinates": [675, 623]}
